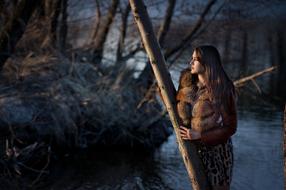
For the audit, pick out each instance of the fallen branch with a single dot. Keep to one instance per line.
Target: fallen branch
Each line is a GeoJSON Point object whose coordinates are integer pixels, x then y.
{"type": "Point", "coordinates": [242, 81]}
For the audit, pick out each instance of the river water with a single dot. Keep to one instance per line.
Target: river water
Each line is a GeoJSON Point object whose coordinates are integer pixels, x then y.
{"type": "Point", "coordinates": [257, 149]}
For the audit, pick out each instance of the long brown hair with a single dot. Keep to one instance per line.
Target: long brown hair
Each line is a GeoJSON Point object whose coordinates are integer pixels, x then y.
{"type": "Point", "coordinates": [219, 85]}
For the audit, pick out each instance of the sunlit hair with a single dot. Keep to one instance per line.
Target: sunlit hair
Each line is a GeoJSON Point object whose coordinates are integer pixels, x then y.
{"type": "Point", "coordinates": [219, 85]}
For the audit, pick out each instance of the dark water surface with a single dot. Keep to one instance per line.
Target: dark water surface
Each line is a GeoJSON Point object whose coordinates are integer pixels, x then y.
{"type": "Point", "coordinates": [258, 161]}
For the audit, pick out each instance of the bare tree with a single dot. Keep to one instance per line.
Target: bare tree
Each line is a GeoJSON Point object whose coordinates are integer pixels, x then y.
{"type": "Point", "coordinates": [189, 36]}
{"type": "Point", "coordinates": [123, 29]}
{"type": "Point", "coordinates": [164, 28]}
{"type": "Point", "coordinates": [102, 34]}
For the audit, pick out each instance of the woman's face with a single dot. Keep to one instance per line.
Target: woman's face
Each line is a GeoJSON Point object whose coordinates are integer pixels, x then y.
{"type": "Point", "coordinates": [196, 66]}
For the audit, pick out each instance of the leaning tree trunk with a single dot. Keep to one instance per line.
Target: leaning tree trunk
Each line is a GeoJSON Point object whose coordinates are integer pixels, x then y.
{"type": "Point", "coordinates": [188, 150]}
{"type": "Point", "coordinates": [146, 78]}
{"type": "Point", "coordinates": [14, 28]}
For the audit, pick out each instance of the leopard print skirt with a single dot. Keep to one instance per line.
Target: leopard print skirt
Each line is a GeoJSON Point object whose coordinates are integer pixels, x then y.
{"type": "Point", "coordinates": [218, 162]}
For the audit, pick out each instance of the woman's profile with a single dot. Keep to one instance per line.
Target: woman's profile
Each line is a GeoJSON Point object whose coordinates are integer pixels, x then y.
{"type": "Point", "coordinates": [211, 119]}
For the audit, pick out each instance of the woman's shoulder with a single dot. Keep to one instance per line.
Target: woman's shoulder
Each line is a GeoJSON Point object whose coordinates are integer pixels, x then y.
{"type": "Point", "coordinates": [186, 94]}
{"type": "Point", "coordinates": [185, 78]}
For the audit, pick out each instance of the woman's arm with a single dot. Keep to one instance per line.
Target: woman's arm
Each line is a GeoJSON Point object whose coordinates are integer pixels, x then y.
{"type": "Point", "coordinates": [217, 134]}
{"type": "Point", "coordinates": [221, 134]}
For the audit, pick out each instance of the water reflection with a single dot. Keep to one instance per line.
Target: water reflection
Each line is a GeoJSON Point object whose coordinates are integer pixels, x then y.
{"type": "Point", "coordinates": [258, 161]}
{"type": "Point", "coordinates": [258, 150]}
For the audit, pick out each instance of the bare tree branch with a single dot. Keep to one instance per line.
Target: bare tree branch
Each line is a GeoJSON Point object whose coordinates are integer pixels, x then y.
{"type": "Point", "coordinates": [97, 22]}
{"type": "Point", "coordinates": [123, 29]}
{"type": "Point", "coordinates": [189, 36]}
{"type": "Point", "coordinates": [242, 81]}
{"type": "Point", "coordinates": [166, 22]}
{"type": "Point", "coordinates": [187, 44]}
{"type": "Point", "coordinates": [102, 35]}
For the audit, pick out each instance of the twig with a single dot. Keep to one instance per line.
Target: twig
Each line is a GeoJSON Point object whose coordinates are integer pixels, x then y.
{"type": "Point", "coordinates": [188, 45]}
{"type": "Point", "coordinates": [256, 86]}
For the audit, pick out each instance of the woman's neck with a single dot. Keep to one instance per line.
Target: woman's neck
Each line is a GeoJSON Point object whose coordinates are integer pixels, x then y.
{"type": "Point", "coordinates": [202, 79]}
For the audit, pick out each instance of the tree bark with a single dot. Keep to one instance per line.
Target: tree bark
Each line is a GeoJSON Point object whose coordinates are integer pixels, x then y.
{"type": "Point", "coordinates": [101, 36]}
{"type": "Point", "coordinates": [14, 28]}
{"type": "Point", "coordinates": [188, 150]}
{"type": "Point", "coordinates": [146, 78]}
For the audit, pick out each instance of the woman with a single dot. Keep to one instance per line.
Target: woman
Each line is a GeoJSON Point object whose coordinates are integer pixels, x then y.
{"type": "Point", "coordinates": [213, 117]}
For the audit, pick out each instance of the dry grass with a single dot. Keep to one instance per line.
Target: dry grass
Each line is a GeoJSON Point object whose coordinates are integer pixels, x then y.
{"type": "Point", "coordinates": [51, 100]}
{"type": "Point", "coordinates": [73, 105]}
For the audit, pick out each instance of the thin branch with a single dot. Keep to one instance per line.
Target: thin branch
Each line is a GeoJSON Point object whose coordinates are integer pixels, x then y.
{"type": "Point", "coordinates": [164, 28]}
{"type": "Point", "coordinates": [187, 45]}
{"type": "Point", "coordinates": [242, 81]}
{"type": "Point", "coordinates": [123, 29]}
{"type": "Point", "coordinates": [256, 86]}
{"type": "Point", "coordinates": [97, 23]}
{"type": "Point", "coordinates": [189, 36]}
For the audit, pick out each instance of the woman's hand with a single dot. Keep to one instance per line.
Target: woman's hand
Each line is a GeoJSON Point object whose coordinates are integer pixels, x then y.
{"type": "Point", "coordinates": [189, 134]}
